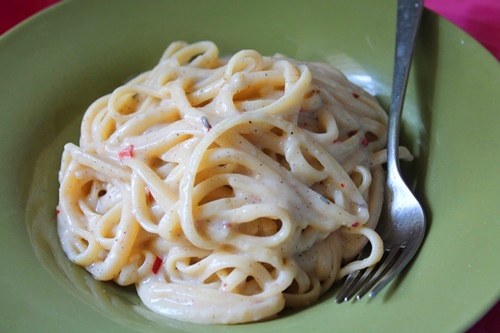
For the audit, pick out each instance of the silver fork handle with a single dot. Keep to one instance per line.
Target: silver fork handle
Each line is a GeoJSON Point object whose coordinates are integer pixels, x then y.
{"type": "Point", "coordinates": [408, 19]}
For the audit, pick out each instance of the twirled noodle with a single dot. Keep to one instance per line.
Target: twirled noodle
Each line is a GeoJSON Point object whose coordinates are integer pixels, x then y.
{"type": "Point", "coordinates": [225, 189]}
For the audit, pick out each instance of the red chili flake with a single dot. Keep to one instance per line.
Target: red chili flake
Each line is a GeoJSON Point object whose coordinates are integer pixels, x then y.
{"type": "Point", "coordinates": [336, 141]}
{"type": "Point", "coordinates": [342, 185]}
{"type": "Point", "coordinates": [364, 142]}
{"type": "Point", "coordinates": [157, 265]}
{"type": "Point", "coordinates": [355, 95]}
{"type": "Point", "coordinates": [149, 196]}
{"type": "Point", "coordinates": [355, 224]}
{"type": "Point", "coordinates": [127, 152]}
{"type": "Point", "coordinates": [58, 211]}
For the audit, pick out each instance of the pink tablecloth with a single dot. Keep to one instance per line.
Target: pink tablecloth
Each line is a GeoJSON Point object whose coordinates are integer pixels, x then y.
{"type": "Point", "coordinates": [480, 18]}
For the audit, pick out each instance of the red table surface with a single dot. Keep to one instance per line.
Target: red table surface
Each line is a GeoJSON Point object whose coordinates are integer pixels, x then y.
{"type": "Point", "coordinates": [479, 18]}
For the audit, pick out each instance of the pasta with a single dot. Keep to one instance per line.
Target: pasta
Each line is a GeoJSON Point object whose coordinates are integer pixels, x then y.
{"type": "Point", "coordinates": [225, 188]}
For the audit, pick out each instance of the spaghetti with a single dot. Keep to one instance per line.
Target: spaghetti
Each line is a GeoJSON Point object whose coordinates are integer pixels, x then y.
{"type": "Point", "coordinates": [225, 188]}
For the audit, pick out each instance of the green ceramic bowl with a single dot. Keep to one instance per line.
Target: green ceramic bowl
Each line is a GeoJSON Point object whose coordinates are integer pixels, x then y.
{"type": "Point", "coordinates": [55, 64]}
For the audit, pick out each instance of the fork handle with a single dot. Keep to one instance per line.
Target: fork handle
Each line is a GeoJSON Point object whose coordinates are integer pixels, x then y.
{"type": "Point", "coordinates": [408, 19]}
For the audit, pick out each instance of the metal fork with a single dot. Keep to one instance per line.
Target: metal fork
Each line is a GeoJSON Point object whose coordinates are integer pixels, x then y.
{"type": "Point", "coordinates": [402, 223]}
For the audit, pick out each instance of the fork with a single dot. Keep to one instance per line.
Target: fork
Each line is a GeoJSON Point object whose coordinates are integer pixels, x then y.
{"type": "Point", "coordinates": [402, 222]}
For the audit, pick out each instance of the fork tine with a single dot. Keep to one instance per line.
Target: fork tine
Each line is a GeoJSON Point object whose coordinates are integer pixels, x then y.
{"type": "Point", "coordinates": [349, 283]}
{"type": "Point", "coordinates": [401, 262]}
{"type": "Point", "coordinates": [362, 281]}
{"type": "Point", "coordinates": [367, 275]}
{"type": "Point", "coordinates": [381, 272]}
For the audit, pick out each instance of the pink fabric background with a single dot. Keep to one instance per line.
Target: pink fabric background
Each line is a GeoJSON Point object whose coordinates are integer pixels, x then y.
{"type": "Point", "coordinates": [479, 18]}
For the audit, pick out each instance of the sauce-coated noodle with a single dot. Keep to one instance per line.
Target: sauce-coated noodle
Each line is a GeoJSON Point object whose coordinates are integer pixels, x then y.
{"type": "Point", "coordinates": [225, 189]}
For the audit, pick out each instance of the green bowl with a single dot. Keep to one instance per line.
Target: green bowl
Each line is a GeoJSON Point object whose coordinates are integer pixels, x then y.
{"type": "Point", "coordinates": [56, 63]}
